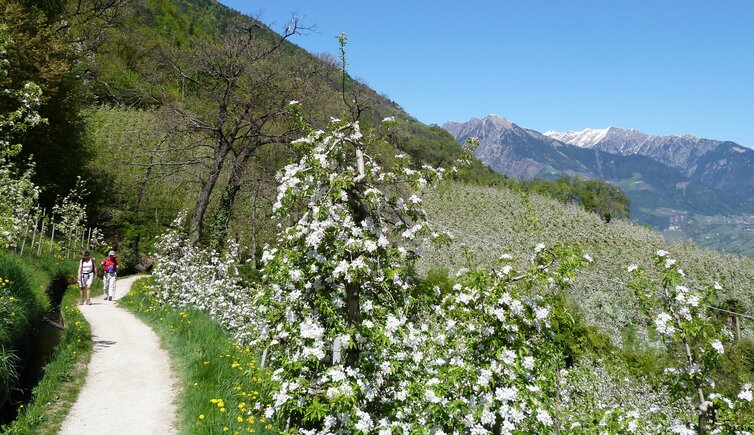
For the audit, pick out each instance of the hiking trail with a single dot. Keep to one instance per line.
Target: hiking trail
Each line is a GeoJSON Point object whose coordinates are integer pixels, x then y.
{"type": "Point", "coordinates": [129, 388]}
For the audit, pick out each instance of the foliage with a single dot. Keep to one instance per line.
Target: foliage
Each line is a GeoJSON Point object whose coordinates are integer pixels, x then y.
{"type": "Point", "coordinates": [21, 114]}
{"type": "Point", "coordinates": [23, 301]}
{"type": "Point", "coordinates": [596, 196]}
{"type": "Point", "coordinates": [44, 61]}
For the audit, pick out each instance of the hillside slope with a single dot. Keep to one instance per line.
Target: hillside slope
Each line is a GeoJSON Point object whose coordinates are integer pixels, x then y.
{"type": "Point", "coordinates": [150, 77]}
{"type": "Point", "coordinates": [488, 222]}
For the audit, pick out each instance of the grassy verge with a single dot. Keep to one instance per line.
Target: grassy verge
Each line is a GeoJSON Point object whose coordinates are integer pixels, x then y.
{"type": "Point", "coordinates": [219, 381]}
{"type": "Point", "coordinates": [23, 299]}
{"type": "Point", "coordinates": [23, 302]}
{"type": "Point", "coordinates": [64, 375]}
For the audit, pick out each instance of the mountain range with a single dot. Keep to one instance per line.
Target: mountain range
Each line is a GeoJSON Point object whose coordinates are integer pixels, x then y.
{"type": "Point", "coordinates": [671, 180]}
{"type": "Point", "coordinates": [722, 165]}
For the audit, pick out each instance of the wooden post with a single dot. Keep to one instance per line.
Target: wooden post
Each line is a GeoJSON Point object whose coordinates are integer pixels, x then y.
{"type": "Point", "coordinates": [52, 239]}
{"type": "Point", "coordinates": [26, 232]}
{"type": "Point", "coordinates": [34, 233]}
{"type": "Point", "coordinates": [89, 239]}
{"type": "Point", "coordinates": [41, 235]}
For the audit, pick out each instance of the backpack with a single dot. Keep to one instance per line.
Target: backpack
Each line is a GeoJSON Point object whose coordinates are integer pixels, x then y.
{"type": "Point", "coordinates": [110, 265]}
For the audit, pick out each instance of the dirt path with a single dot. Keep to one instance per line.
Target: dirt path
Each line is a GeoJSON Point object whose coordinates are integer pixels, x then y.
{"type": "Point", "coordinates": [129, 388]}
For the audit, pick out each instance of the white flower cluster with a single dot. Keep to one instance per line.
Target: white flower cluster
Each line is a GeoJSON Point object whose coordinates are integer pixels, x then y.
{"type": "Point", "coordinates": [19, 198]}
{"type": "Point", "coordinates": [187, 276]}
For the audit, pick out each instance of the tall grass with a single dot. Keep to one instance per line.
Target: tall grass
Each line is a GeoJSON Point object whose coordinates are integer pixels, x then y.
{"type": "Point", "coordinates": [65, 374]}
{"type": "Point", "coordinates": [23, 302]}
{"type": "Point", "coordinates": [219, 380]}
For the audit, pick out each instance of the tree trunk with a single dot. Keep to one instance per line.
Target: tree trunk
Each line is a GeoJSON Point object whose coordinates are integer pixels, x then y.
{"type": "Point", "coordinates": [147, 175]}
{"type": "Point", "coordinates": [197, 218]}
{"type": "Point", "coordinates": [224, 214]}
{"type": "Point", "coordinates": [359, 212]}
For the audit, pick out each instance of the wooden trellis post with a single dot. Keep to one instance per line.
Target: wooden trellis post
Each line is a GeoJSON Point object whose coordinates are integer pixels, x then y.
{"type": "Point", "coordinates": [41, 233]}
{"type": "Point", "coordinates": [26, 232]}
{"type": "Point", "coordinates": [34, 233]}
{"type": "Point", "coordinates": [52, 239]}
{"type": "Point", "coordinates": [89, 239]}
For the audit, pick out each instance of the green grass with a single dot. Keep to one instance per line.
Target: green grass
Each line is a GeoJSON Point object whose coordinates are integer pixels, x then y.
{"type": "Point", "coordinates": [219, 381]}
{"type": "Point", "coordinates": [23, 302]}
{"type": "Point", "coordinates": [64, 375]}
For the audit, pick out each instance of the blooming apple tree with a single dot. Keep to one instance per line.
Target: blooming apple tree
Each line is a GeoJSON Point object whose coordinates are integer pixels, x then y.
{"type": "Point", "coordinates": [358, 343]}
{"type": "Point", "coordinates": [340, 289]}
{"type": "Point", "coordinates": [683, 321]}
{"type": "Point", "coordinates": [187, 275]}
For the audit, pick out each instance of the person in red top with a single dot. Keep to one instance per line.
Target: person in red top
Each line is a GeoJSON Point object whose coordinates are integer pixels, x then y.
{"type": "Point", "coordinates": [110, 271]}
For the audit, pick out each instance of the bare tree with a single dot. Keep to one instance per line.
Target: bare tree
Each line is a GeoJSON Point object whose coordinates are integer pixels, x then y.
{"type": "Point", "coordinates": [228, 91]}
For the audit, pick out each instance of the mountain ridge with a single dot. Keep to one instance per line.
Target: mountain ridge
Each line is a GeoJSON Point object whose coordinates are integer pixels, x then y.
{"type": "Point", "coordinates": [653, 182]}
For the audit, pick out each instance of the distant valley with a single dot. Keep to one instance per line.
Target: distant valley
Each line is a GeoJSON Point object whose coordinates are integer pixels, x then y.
{"type": "Point", "coordinates": [685, 186]}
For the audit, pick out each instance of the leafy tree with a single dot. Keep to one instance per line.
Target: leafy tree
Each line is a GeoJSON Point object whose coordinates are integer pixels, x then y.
{"type": "Point", "coordinates": [597, 196]}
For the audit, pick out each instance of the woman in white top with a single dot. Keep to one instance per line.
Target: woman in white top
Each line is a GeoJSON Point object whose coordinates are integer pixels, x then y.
{"type": "Point", "coordinates": [87, 272]}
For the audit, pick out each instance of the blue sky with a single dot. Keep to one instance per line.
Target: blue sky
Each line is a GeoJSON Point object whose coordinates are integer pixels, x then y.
{"type": "Point", "coordinates": [660, 66]}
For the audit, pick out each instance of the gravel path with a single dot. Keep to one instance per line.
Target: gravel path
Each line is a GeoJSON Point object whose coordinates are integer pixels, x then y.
{"type": "Point", "coordinates": [129, 388]}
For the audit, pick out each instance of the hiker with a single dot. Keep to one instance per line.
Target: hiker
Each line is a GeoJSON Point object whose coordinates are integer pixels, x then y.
{"type": "Point", "coordinates": [87, 270]}
{"type": "Point", "coordinates": [109, 272]}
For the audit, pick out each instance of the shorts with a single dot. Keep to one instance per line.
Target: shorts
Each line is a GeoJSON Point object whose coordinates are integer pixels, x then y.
{"type": "Point", "coordinates": [86, 279]}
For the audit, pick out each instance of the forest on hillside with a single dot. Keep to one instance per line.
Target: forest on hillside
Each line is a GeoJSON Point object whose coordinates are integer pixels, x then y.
{"type": "Point", "coordinates": [387, 281]}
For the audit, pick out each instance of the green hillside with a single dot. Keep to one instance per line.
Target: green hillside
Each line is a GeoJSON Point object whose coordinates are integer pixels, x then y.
{"type": "Point", "coordinates": [142, 104]}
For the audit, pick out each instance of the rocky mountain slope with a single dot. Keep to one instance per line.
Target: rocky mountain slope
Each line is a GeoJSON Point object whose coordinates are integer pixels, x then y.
{"type": "Point", "coordinates": [664, 177]}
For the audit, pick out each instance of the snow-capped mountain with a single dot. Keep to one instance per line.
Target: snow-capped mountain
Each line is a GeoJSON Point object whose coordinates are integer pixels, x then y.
{"type": "Point", "coordinates": [672, 150]}
{"type": "Point", "coordinates": [721, 164]}
{"type": "Point", "coordinates": [515, 151]}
